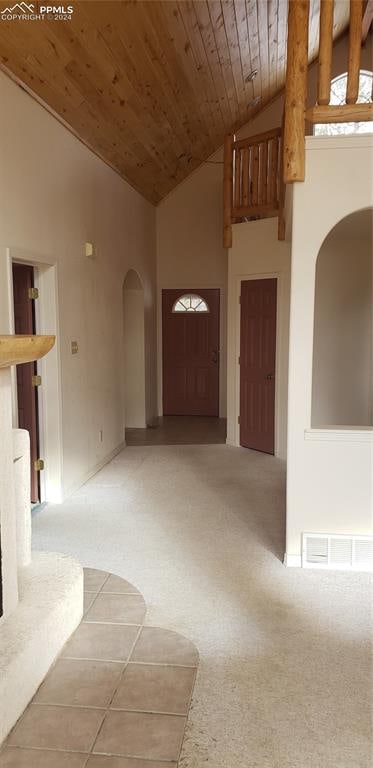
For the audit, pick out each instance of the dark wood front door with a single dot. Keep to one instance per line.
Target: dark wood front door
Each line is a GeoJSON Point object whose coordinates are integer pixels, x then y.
{"type": "Point", "coordinates": [258, 364]}
{"type": "Point", "coordinates": [191, 352]}
{"type": "Point", "coordinates": [24, 321]}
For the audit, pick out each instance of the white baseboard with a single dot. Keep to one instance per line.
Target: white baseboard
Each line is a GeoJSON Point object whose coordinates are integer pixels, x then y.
{"type": "Point", "coordinates": [93, 471]}
{"type": "Point", "coordinates": [292, 561]}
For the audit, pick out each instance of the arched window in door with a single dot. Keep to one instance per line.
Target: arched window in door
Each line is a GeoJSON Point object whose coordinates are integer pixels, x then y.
{"type": "Point", "coordinates": [338, 97]}
{"type": "Point", "coordinates": [190, 302]}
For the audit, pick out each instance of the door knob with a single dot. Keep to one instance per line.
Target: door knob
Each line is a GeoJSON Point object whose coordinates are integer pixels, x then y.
{"type": "Point", "coordinates": [270, 376]}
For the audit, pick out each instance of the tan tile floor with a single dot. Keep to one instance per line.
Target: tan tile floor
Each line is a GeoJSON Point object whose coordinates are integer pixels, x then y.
{"type": "Point", "coordinates": [117, 697]}
{"type": "Point", "coordinates": [180, 430]}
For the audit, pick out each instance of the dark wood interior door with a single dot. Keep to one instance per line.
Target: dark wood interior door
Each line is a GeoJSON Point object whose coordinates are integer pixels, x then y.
{"type": "Point", "coordinates": [24, 320]}
{"type": "Point", "coordinates": [258, 364]}
{"type": "Point", "coordinates": [191, 355]}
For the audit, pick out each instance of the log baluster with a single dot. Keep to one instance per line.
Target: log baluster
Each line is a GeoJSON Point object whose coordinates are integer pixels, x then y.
{"type": "Point", "coordinates": [237, 178]}
{"type": "Point", "coordinates": [354, 50]}
{"type": "Point", "coordinates": [325, 51]}
{"type": "Point", "coordinates": [255, 175]}
{"type": "Point", "coordinates": [263, 172]}
{"type": "Point", "coordinates": [245, 176]}
{"type": "Point", "coordinates": [273, 194]}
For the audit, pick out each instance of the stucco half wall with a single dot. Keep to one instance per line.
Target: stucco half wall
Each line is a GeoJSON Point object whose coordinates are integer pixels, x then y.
{"type": "Point", "coordinates": [329, 486]}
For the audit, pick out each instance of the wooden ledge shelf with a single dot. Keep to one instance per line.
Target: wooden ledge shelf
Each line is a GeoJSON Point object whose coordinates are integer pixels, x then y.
{"type": "Point", "coordinates": [23, 349]}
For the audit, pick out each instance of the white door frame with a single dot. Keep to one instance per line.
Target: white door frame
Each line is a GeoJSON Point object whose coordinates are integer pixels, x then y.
{"type": "Point", "coordinates": [279, 336]}
{"type": "Point", "coordinates": [47, 322]}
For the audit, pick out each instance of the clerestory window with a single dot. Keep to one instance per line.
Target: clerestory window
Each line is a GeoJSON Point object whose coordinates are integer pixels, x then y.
{"type": "Point", "coordinates": [338, 97]}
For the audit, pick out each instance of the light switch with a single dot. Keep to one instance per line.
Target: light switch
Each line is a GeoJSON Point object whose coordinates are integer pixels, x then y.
{"type": "Point", "coordinates": [74, 347]}
{"type": "Point", "coordinates": [89, 250]}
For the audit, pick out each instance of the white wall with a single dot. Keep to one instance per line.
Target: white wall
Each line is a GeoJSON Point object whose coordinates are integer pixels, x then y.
{"type": "Point", "coordinates": [54, 196]}
{"type": "Point", "coordinates": [329, 486]}
{"type": "Point", "coordinates": [134, 353]}
{"type": "Point", "coordinates": [190, 224]}
{"type": "Point", "coordinates": [190, 253]}
{"type": "Point", "coordinates": [342, 352]}
{"type": "Point", "coordinates": [257, 253]}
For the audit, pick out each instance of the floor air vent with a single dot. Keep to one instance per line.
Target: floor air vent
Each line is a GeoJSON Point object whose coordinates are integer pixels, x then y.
{"type": "Point", "coordinates": [337, 552]}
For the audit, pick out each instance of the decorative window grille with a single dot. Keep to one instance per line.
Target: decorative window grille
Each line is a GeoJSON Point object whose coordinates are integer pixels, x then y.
{"type": "Point", "coordinates": [190, 302]}
{"type": "Point", "coordinates": [338, 97]}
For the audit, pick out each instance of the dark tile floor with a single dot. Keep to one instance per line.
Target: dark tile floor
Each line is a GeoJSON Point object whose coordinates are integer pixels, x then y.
{"type": "Point", "coordinates": [180, 430]}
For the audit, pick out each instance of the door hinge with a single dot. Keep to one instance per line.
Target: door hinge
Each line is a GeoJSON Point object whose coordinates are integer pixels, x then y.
{"type": "Point", "coordinates": [38, 465]}
{"type": "Point", "coordinates": [36, 381]}
{"type": "Point", "coordinates": [33, 293]}
{"type": "Point", "coordinates": [238, 420]}
{"type": "Point", "coordinates": [239, 361]}
{"type": "Point", "coordinates": [239, 299]}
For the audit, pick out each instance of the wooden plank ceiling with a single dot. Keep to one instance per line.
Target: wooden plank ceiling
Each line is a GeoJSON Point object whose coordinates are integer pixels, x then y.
{"type": "Point", "coordinates": [153, 87]}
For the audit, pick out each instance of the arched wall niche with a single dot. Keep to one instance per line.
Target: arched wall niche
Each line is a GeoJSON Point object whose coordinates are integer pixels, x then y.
{"type": "Point", "coordinates": [132, 281]}
{"type": "Point", "coordinates": [134, 384]}
{"type": "Point", "coordinates": [325, 466]}
{"type": "Point", "coordinates": [342, 343]}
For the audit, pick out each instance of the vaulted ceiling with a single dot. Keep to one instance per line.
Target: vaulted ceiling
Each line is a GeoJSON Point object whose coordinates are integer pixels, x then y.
{"type": "Point", "coordinates": [152, 87]}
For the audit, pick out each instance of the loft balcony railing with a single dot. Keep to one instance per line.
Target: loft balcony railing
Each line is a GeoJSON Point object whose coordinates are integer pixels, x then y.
{"type": "Point", "coordinates": [296, 114]}
{"type": "Point", "coordinates": [253, 187]}
{"type": "Point", "coordinates": [256, 169]}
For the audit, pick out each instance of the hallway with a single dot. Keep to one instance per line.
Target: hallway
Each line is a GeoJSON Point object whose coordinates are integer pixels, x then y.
{"type": "Point", "coordinates": [199, 530]}
{"type": "Point", "coordinates": [180, 430]}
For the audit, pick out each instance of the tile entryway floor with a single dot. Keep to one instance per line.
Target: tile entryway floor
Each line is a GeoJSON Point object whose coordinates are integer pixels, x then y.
{"type": "Point", "coordinates": [180, 430]}
{"type": "Point", "coordinates": [117, 697]}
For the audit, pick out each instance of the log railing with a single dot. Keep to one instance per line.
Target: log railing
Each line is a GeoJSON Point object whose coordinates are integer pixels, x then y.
{"type": "Point", "coordinates": [257, 169]}
{"type": "Point", "coordinates": [296, 114]}
{"type": "Point", "coordinates": [252, 179]}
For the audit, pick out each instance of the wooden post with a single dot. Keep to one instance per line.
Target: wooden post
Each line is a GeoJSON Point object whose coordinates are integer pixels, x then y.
{"type": "Point", "coordinates": [325, 51]}
{"type": "Point", "coordinates": [228, 191]}
{"type": "Point", "coordinates": [354, 50]}
{"type": "Point", "coordinates": [281, 229]}
{"type": "Point", "coordinates": [296, 91]}
{"type": "Point", "coordinates": [281, 202]}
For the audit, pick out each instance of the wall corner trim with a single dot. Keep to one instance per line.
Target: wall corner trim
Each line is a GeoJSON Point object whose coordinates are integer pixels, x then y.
{"type": "Point", "coordinates": [231, 441]}
{"type": "Point", "coordinates": [292, 561]}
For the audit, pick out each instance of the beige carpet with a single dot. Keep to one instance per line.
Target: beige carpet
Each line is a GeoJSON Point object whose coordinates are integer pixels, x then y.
{"type": "Point", "coordinates": [285, 677]}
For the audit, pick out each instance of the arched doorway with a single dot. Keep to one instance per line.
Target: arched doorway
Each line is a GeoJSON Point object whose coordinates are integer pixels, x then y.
{"type": "Point", "coordinates": [133, 351]}
{"type": "Point", "coordinates": [342, 373]}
